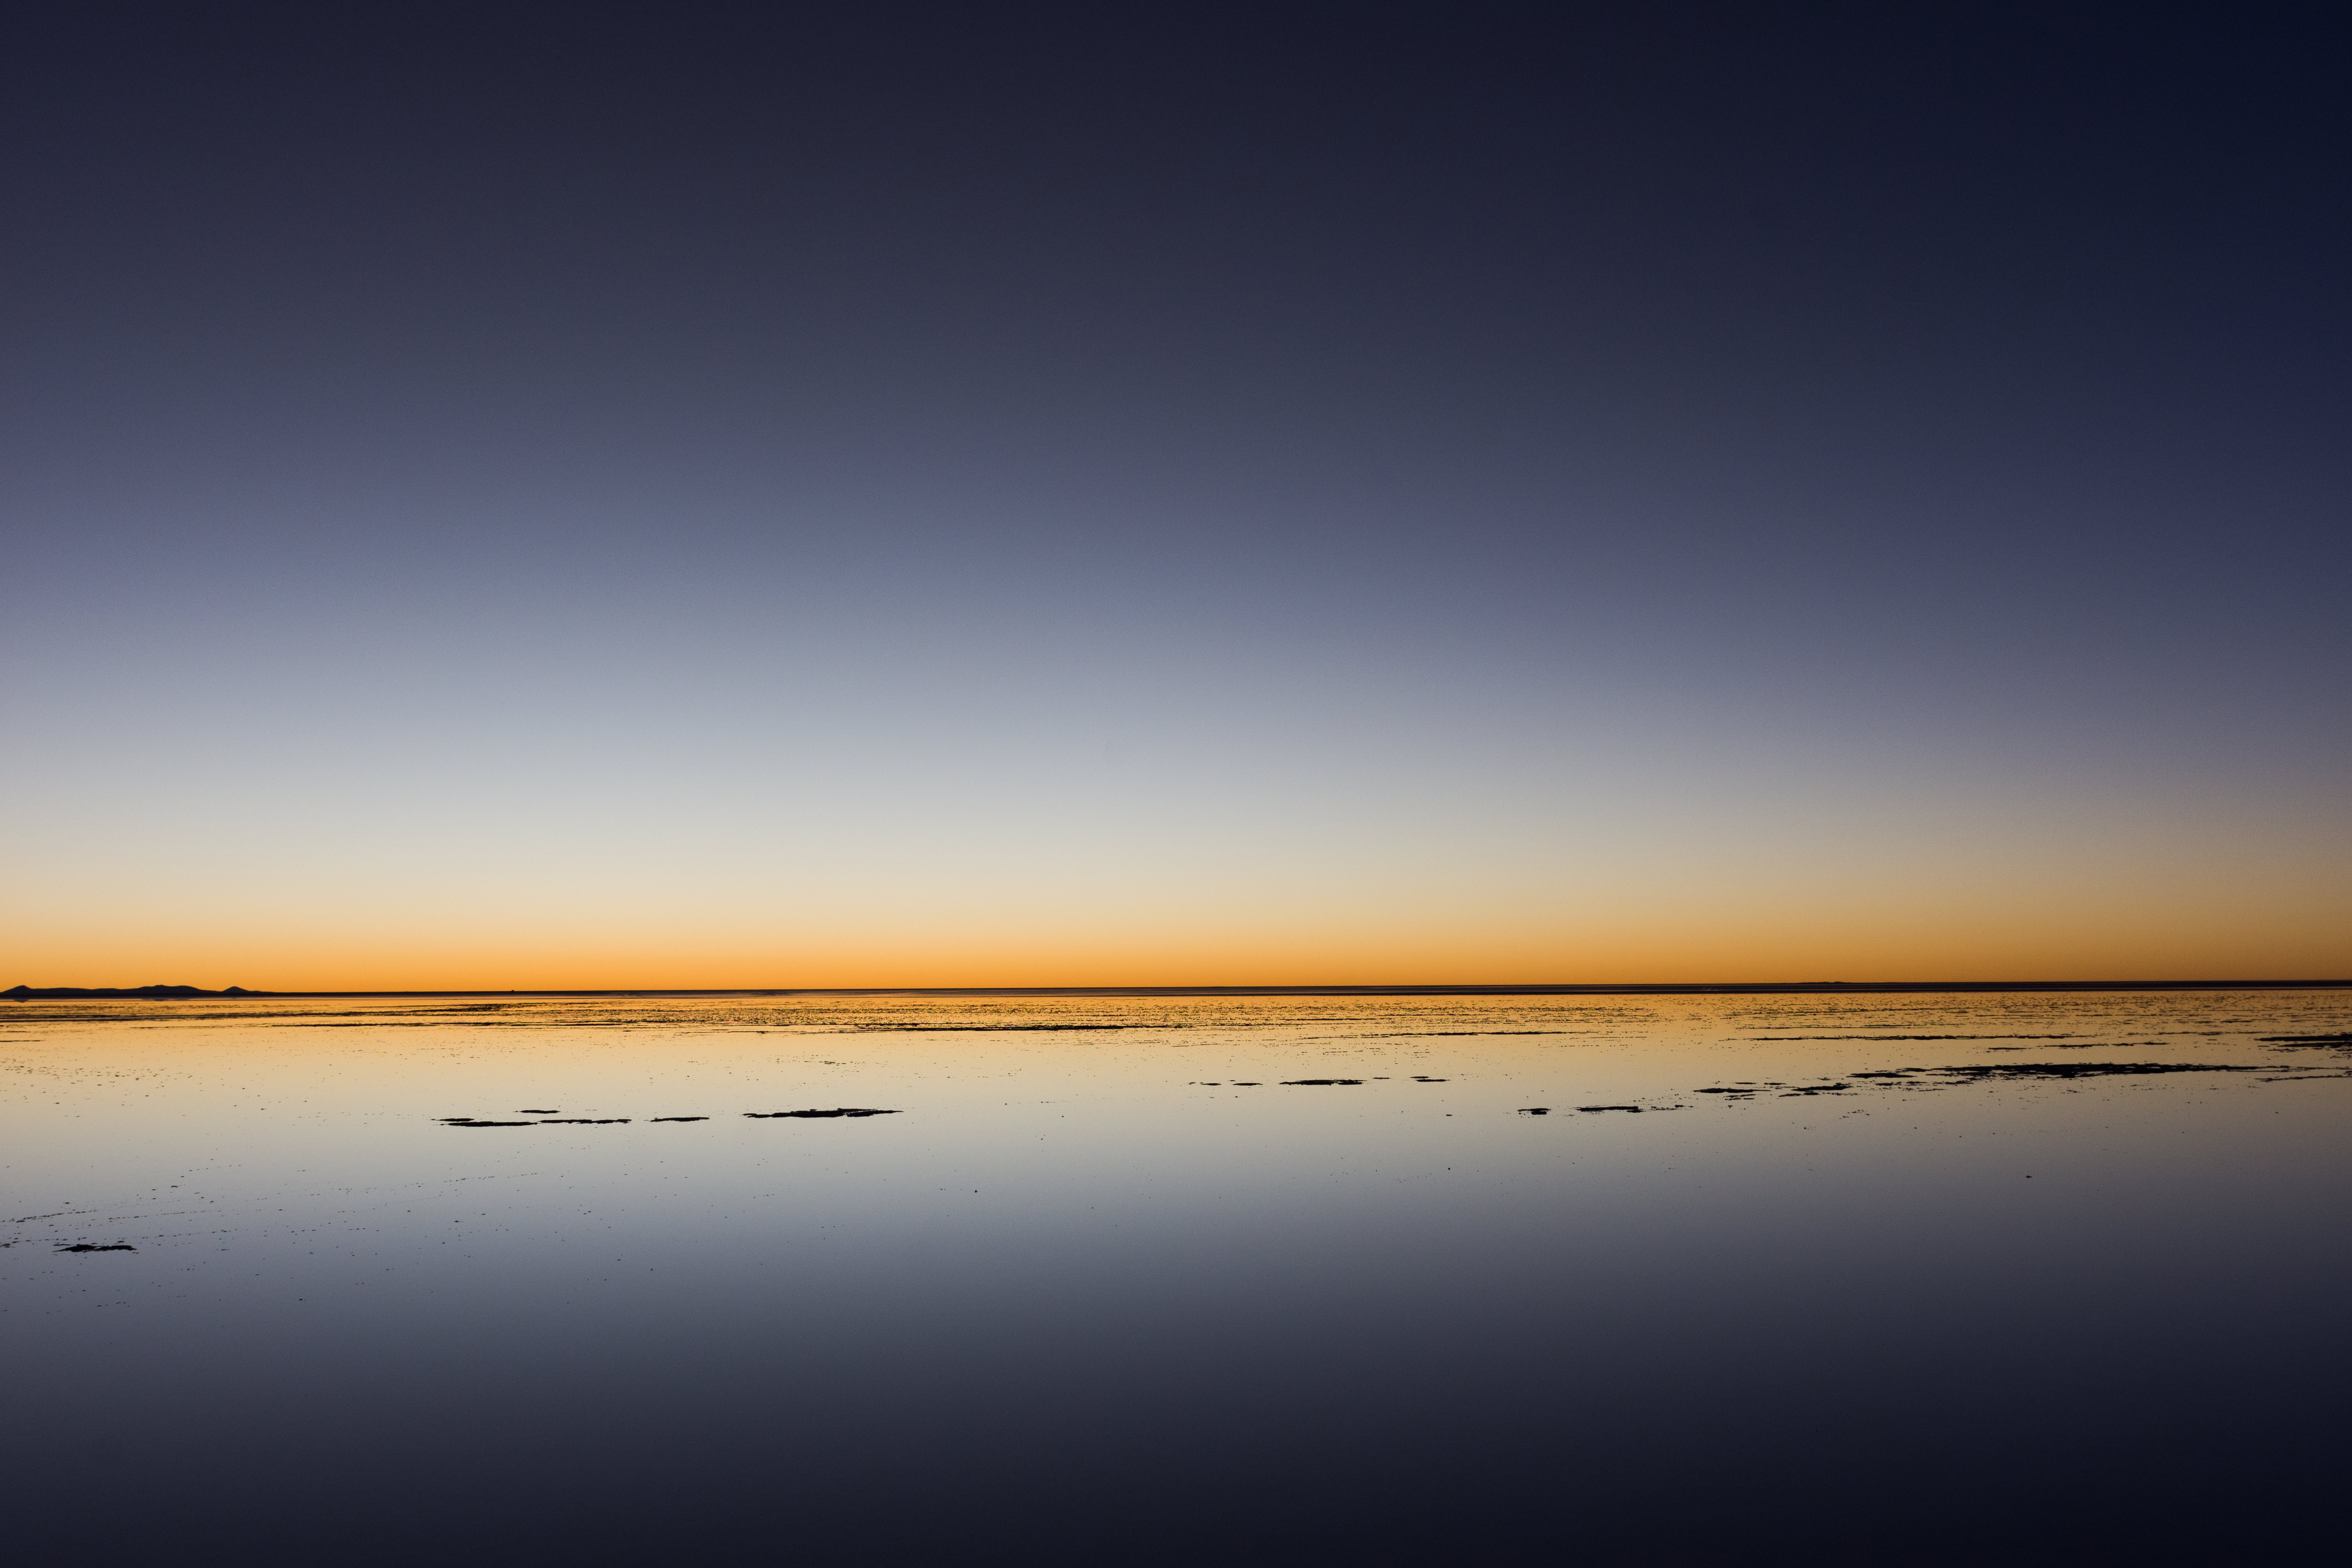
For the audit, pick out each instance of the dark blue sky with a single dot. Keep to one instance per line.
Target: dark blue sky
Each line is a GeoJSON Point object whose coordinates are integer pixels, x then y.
{"type": "Point", "coordinates": [1749, 460]}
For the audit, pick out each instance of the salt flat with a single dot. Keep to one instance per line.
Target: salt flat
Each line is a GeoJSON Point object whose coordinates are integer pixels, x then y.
{"type": "Point", "coordinates": [1164, 1278]}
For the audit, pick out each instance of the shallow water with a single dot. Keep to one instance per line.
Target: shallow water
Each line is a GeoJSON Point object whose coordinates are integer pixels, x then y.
{"type": "Point", "coordinates": [1853, 1277]}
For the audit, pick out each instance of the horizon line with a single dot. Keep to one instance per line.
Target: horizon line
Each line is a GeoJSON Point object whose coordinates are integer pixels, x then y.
{"type": "Point", "coordinates": [1798, 987]}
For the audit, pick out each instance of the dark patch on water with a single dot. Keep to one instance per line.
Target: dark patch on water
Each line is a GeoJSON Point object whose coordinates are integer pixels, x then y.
{"type": "Point", "coordinates": [551, 1111]}
{"type": "Point", "coordinates": [586, 1122]}
{"type": "Point", "coordinates": [2309, 1042]}
{"type": "Point", "coordinates": [1419, 1078]}
{"type": "Point", "coordinates": [678, 1119]}
{"type": "Point", "coordinates": [477, 1121]}
{"type": "Point", "coordinates": [94, 1247]}
{"type": "Point", "coordinates": [820, 1115]}
{"type": "Point", "coordinates": [1983, 1072]}
{"type": "Point", "coordinates": [1910, 1037]}
{"type": "Point", "coordinates": [1317, 1082]}
{"type": "Point", "coordinates": [1535, 1110]}
{"type": "Point", "coordinates": [1979, 1072]}
{"type": "Point", "coordinates": [1588, 1109]}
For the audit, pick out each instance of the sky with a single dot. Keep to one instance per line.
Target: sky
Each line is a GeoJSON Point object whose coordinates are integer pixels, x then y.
{"type": "Point", "coordinates": [871, 496]}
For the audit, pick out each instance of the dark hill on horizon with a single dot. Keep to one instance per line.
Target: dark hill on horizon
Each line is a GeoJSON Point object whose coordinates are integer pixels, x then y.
{"type": "Point", "coordinates": [31, 993]}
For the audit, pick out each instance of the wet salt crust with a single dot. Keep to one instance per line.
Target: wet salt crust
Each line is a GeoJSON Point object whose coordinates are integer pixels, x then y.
{"type": "Point", "coordinates": [1903, 1278]}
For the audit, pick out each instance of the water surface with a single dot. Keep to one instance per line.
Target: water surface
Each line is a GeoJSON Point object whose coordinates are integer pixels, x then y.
{"type": "Point", "coordinates": [1178, 1279]}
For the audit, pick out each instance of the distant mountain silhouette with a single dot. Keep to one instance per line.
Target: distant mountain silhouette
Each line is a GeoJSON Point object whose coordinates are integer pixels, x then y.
{"type": "Point", "coordinates": [47, 993]}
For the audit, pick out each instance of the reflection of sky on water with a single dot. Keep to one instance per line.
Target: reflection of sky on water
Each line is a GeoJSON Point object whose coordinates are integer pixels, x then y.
{"type": "Point", "coordinates": [1123, 1289]}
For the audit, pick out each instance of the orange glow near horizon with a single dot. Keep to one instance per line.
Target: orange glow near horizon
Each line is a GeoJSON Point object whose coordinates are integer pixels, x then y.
{"type": "Point", "coordinates": [1833, 874]}
{"type": "Point", "coordinates": [572, 951]}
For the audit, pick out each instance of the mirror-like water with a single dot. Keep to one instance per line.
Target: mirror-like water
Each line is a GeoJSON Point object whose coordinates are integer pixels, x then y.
{"type": "Point", "coordinates": [1179, 1278]}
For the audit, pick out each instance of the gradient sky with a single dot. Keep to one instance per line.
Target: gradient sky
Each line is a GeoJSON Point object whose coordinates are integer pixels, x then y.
{"type": "Point", "coordinates": [902, 495]}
